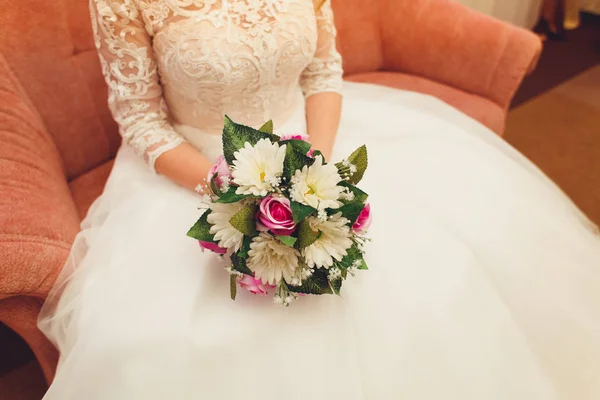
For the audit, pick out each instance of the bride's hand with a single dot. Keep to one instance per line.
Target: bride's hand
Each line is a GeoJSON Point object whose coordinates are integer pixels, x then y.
{"type": "Point", "coordinates": [184, 165]}
{"type": "Point", "coordinates": [323, 112]}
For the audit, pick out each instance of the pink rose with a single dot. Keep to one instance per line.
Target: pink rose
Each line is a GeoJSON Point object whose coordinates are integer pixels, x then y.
{"type": "Point", "coordinates": [253, 285]}
{"type": "Point", "coordinates": [298, 137]}
{"type": "Point", "coordinates": [275, 214]}
{"type": "Point", "coordinates": [221, 168]}
{"type": "Point", "coordinates": [215, 248]}
{"type": "Point", "coordinates": [363, 221]}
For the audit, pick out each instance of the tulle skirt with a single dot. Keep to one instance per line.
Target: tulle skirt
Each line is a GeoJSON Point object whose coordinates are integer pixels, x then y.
{"type": "Point", "coordinates": [484, 282]}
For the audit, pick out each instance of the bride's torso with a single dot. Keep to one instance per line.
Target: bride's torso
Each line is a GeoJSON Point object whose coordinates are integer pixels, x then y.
{"type": "Point", "coordinates": [242, 58]}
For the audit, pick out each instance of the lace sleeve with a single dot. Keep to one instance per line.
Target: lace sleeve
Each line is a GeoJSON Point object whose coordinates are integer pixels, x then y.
{"type": "Point", "coordinates": [324, 73]}
{"type": "Point", "coordinates": [135, 95]}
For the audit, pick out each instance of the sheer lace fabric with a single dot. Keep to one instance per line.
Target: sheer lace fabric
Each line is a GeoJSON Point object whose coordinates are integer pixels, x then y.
{"type": "Point", "coordinates": [189, 62]}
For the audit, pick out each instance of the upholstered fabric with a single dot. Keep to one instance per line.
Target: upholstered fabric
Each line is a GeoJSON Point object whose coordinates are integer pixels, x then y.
{"type": "Point", "coordinates": [483, 110]}
{"type": "Point", "coordinates": [57, 136]}
{"type": "Point", "coordinates": [38, 219]}
{"type": "Point", "coordinates": [20, 314]}
{"type": "Point", "coordinates": [444, 41]}
{"type": "Point", "coordinates": [89, 186]}
{"type": "Point", "coordinates": [49, 46]}
{"type": "Point", "coordinates": [359, 35]}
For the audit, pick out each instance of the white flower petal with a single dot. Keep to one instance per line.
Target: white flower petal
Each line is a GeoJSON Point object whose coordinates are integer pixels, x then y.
{"type": "Point", "coordinates": [332, 244]}
{"type": "Point", "coordinates": [271, 261]}
{"type": "Point", "coordinates": [257, 169]}
{"type": "Point", "coordinates": [317, 185]}
{"type": "Point", "coordinates": [227, 236]}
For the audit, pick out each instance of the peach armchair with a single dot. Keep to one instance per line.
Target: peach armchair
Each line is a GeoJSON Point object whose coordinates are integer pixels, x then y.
{"type": "Point", "coordinates": [57, 138]}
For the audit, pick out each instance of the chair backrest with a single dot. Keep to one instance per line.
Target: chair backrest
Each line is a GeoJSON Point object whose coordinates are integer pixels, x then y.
{"type": "Point", "coordinates": [359, 37]}
{"type": "Point", "coordinates": [48, 46]}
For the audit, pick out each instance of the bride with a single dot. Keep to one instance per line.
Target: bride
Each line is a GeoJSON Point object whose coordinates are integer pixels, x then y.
{"type": "Point", "coordinates": [484, 278]}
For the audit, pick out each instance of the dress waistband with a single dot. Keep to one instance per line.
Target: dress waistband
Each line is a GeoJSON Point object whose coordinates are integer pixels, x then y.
{"type": "Point", "coordinates": [210, 143]}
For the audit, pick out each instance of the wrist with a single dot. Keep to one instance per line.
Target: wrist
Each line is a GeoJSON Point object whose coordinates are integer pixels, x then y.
{"type": "Point", "coordinates": [324, 146]}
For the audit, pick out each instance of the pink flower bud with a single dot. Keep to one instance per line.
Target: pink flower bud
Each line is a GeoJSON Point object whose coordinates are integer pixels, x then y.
{"type": "Point", "coordinates": [221, 168]}
{"type": "Point", "coordinates": [363, 221]}
{"type": "Point", "coordinates": [295, 137]}
{"type": "Point", "coordinates": [215, 248]}
{"type": "Point", "coordinates": [253, 285]}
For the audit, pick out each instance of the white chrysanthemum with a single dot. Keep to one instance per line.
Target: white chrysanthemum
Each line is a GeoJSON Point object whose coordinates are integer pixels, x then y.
{"type": "Point", "coordinates": [271, 260]}
{"type": "Point", "coordinates": [257, 169]}
{"type": "Point", "coordinates": [332, 243]}
{"type": "Point", "coordinates": [316, 186]}
{"type": "Point", "coordinates": [227, 236]}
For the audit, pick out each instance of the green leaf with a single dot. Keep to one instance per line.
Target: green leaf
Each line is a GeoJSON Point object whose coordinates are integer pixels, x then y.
{"type": "Point", "coordinates": [301, 211]}
{"type": "Point", "coordinates": [353, 254]}
{"type": "Point", "coordinates": [231, 196]}
{"type": "Point", "coordinates": [245, 220]}
{"type": "Point", "coordinates": [287, 240]}
{"type": "Point", "coordinates": [238, 263]}
{"type": "Point", "coordinates": [360, 159]}
{"type": "Point", "coordinates": [201, 229]}
{"type": "Point", "coordinates": [351, 211]}
{"type": "Point", "coordinates": [213, 185]}
{"type": "Point", "coordinates": [318, 153]}
{"type": "Point", "coordinates": [298, 145]}
{"type": "Point", "coordinates": [336, 286]}
{"type": "Point", "coordinates": [359, 195]}
{"type": "Point", "coordinates": [316, 284]}
{"type": "Point", "coordinates": [243, 251]}
{"type": "Point", "coordinates": [306, 236]}
{"type": "Point", "coordinates": [235, 137]}
{"type": "Point", "coordinates": [294, 160]}
{"type": "Point", "coordinates": [267, 127]}
{"type": "Point", "coordinates": [233, 286]}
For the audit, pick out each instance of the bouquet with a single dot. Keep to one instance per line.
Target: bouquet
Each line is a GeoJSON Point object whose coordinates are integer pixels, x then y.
{"type": "Point", "coordinates": [288, 222]}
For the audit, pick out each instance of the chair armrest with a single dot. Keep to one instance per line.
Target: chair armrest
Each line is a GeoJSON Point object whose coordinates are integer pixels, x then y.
{"type": "Point", "coordinates": [38, 219]}
{"type": "Point", "coordinates": [447, 42]}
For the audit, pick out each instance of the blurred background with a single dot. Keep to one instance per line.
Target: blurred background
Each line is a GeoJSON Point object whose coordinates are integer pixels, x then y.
{"type": "Point", "coordinates": [554, 120]}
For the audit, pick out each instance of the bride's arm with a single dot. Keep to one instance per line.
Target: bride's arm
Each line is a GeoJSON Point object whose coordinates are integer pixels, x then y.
{"type": "Point", "coordinates": [184, 165]}
{"type": "Point", "coordinates": [322, 83]}
{"type": "Point", "coordinates": [135, 94]}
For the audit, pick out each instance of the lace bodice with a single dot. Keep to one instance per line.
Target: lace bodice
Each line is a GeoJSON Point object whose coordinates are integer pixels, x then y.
{"type": "Point", "coordinates": [190, 62]}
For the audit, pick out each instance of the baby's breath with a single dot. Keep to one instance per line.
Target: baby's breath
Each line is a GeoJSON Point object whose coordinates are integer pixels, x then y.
{"type": "Point", "coordinates": [347, 169]}
{"type": "Point", "coordinates": [296, 282]}
{"type": "Point", "coordinates": [322, 215]}
{"type": "Point", "coordinates": [307, 273]}
{"type": "Point", "coordinates": [334, 273]}
{"type": "Point", "coordinates": [225, 181]}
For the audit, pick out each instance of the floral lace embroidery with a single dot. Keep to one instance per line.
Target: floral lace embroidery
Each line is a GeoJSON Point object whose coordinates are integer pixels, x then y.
{"type": "Point", "coordinates": [324, 73]}
{"type": "Point", "coordinates": [207, 58]}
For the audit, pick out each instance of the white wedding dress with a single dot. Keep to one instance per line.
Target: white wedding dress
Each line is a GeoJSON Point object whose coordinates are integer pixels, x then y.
{"type": "Point", "coordinates": [484, 278]}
